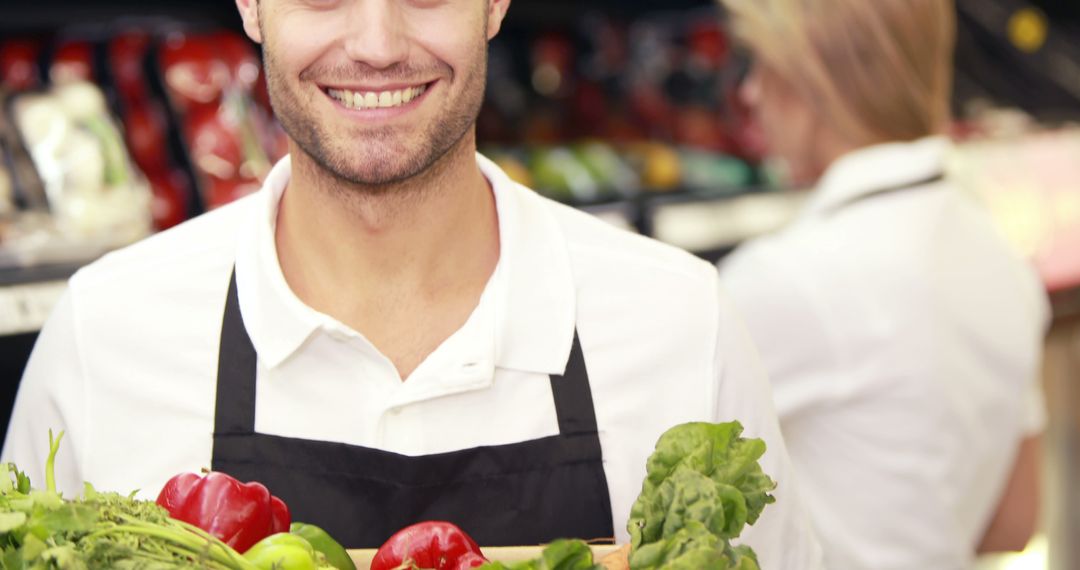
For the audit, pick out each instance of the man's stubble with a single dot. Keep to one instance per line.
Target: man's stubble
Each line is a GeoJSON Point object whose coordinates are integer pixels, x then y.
{"type": "Point", "coordinates": [383, 170]}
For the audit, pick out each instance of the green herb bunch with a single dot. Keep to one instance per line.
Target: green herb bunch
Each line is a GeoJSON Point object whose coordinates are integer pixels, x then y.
{"type": "Point", "coordinates": [40, 530]}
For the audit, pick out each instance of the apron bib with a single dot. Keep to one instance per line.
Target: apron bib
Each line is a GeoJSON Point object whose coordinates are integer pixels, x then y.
{"type": "Point", "coordinates": [517, 494]}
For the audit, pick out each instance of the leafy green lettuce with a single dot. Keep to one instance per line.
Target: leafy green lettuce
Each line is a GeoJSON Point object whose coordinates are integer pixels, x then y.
{"type": "Point", "coordinates": [703, 486]}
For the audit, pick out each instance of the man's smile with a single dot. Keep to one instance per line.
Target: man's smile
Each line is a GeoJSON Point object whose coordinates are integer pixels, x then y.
{"type": "Point", "coordinates": [372, 98]}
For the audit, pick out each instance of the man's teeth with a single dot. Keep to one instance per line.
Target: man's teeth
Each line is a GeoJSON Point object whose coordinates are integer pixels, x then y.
{"type": "Point", "coordinates": [373, 100]}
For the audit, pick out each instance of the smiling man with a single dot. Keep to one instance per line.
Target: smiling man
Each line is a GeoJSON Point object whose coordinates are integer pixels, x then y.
{"type": "Point", "coordinates": [392, 330]}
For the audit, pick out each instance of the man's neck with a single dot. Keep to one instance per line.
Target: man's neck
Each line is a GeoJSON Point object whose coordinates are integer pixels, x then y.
{"type": "Point", "coordinates": [377, 259]}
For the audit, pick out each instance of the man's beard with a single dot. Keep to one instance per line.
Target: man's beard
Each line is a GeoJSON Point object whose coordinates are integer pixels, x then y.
{"type": "Point", "coordinates": [386, 158]}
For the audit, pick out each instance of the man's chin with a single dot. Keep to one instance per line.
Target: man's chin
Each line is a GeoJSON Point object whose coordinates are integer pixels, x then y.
{"type": "Point", "coordinates": [376, 171]}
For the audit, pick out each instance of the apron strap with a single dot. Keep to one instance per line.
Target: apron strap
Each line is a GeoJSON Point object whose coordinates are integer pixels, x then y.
{"type": "Point", "coordinates": [925, 182]}
{"type": "Point", "coordinates": [235, 402]}
{"type": "Point", "coordinates": [235, 407]}
{"type": "Point", "coordinates": [573, 395]}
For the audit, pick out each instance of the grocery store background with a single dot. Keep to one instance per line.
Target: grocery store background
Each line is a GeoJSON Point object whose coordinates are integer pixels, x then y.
{"type": "Point", "coordinates": [624, 108]}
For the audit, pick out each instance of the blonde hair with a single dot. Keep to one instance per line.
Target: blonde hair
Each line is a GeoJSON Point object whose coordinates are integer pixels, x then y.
{"type": "Point", "coordinates": [877, 70]}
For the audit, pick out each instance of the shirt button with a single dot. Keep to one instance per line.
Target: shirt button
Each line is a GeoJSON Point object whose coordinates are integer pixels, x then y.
{"type": "Point", "coordinates": [395, 412]}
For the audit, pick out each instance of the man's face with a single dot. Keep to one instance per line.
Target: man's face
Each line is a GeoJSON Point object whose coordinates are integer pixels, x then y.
{"type": "Point", "coordinates": [375, 91]}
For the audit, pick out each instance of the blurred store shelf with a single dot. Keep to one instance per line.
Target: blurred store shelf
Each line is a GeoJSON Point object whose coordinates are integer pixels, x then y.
{"type": "Point", "coordinates": [24, 308]}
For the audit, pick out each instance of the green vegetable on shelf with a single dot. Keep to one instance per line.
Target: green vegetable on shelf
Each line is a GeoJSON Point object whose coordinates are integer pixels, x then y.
{"type": "Point", "coordinates": [714, 173]}
{"type": "Point", "coordinates": [557, 172]}
{"type": "Point", "coordinates": [112, 148]}
{"type": "Point", "coordinates": [606, 167]}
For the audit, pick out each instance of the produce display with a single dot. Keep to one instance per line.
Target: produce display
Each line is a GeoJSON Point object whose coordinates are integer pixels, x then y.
{"type": "Point", "coordinates": [147, 127]}
{"type": "Point", "coordinates": [40, 529]}
{"type": "Point", "coordinates": [704, 484]}
{"type": "Point", "coordinates": [213, 82]}
{"type": "Point", "coordinates": [89, 179]}
{"type": "Point", "coordinates": [127, 131]}
{"type": "Point", "coordinates": [613, 108]}
{"type": "Point", "coordinates": [594, 171]}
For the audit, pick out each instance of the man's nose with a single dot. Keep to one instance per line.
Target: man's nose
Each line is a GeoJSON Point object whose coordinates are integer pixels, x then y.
{"type": "Point", "coordinates": [376, 33]}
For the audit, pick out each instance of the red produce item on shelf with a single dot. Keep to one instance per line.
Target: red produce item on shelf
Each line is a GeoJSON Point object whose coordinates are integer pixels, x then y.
{"type": "Point", "coordinates": [240, 57]}
{"type": "Point", "coordinates": [261, 93]}
{"type": "Point", "coordinates": [619, 128]}
{"type": "Point", "coordinates": [127, 56]}
{"type": "Point", "coordinates": [19, 65]}
{"type": "Point", "coordinates": [170, 190]}
{"type": "Point", "coordinates": [552, 65]}
{"type": "Point", "coordinates": [708, 42]}
{"type": "Point", "coordinates": [194, 73]}
{"type": "Point", "coordinates": [214, 144]}
{"type": "Point", "coordinates": [590, 109]}
{"type": "Point", "coordinates": [699, 127]}
{"type": "Point", "coordinates": [73, 61]}
{"type": "Point", "coordinates": [221, 192]}
{"type": "Point", "coordinates": [145, 131]}
{"type": "Point", "coordinates": [652, 108]}
{"type": "Point", "coordinates": [240, 514]}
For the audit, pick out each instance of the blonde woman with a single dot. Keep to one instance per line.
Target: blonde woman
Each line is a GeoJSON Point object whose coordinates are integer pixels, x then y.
{"type": "Point", "coordinates": [902, 336]}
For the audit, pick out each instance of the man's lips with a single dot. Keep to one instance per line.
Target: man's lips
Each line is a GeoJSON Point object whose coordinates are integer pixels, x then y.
{"type": "Point", "coordinates": [371, 98]}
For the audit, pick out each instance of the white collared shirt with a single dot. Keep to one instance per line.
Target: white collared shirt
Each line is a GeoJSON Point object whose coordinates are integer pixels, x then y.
{"type": "Point", "coordinates": [903, 341]}
{"type": "Point", "coordinates": [127, 363]}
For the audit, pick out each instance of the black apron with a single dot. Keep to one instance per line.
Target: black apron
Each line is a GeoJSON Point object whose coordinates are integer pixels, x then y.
{"type": "Point", "coordinates": [517, 494]}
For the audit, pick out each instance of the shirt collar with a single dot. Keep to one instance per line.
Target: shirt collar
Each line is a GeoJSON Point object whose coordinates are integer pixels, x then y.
{"type": "Point", "coordinates": [875, 168]}
{"type": "Point", "coordinates": [277, 321]}
{"type": "Point", "coordinates": [536, 306]}
{"type": "Point", "coordinates": [532, 289]}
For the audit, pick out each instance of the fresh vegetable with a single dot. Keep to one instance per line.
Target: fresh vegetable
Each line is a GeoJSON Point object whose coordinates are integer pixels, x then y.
{"type": "Point", "coordinates": [703, 486]}
{"type": "Point", "coordinates": [40, 530]}
{"type": "Point", "coordinates": [434, 545]}
{"type": "Point", "coordinates": [240, 514]}
{"type": "Point", "coordinates": [322, 542]}
{"type": "Point", "coordinates": [559, 555]}
{"type": "Point", "coordinates": [285, 551]}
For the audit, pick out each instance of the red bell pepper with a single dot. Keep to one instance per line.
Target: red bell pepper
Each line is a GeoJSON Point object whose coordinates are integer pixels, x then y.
{"type": "Point", "coordinates": [434, 545]}
{"type": "Point", "coordinates": [240, 514]}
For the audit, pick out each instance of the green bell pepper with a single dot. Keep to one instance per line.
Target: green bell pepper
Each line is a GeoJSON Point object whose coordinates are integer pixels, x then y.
{"type": "Point", "coordinates": [322, 542]}
{"type": "Point", "coordinates": [284, 551]}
